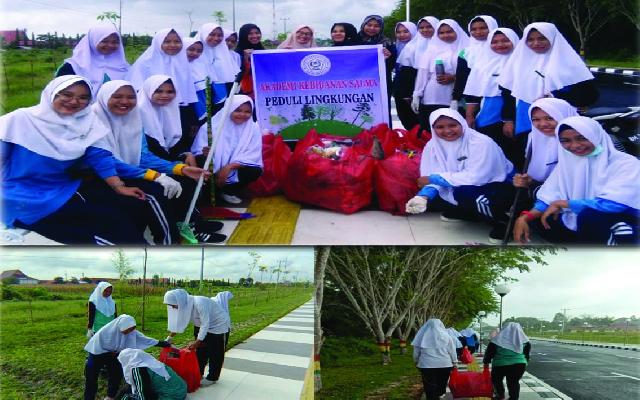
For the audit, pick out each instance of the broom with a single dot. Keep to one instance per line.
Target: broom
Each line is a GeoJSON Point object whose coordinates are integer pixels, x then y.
{"type": "Point", "coordinates": [516, 199]}
{"type": "Point", "coordinates": [183, 226]}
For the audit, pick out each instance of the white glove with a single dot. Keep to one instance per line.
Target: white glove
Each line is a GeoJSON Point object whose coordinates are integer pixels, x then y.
{"type": "Point", "coordinates": [454, 105]}
{"type": "Point", "coordinates": [415, 104]}
{"type": "Point", "coordinates": [171, 187]}
{"type": "Point", "coordinates": [169, 339]}
{"type": "Point", "coordinates": [416, 205]}
{"type": "Point", "coordinates": [90, 333]}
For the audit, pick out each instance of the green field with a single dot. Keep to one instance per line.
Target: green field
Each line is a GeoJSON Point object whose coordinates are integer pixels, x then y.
{"type": "Point", "coordinates": [42, 341]}
{"type": "Point", "coordinates": [339, 128]}
{"type": "Point", "coordinates": [632, 337]}
{"type": "Point", "coordinates": [352, 369]}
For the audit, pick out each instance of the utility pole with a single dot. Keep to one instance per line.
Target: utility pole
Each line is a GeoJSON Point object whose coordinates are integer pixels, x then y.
{"type": "Point", "coordinates": [233, 12]}
{"type": "Point", "coordinates": [564, 315]}
{"type": "Point", "coordinates": [408, 3]}
{"type": "Point", "coordinates": [285, 19]}
{"type": "Point", "coordinates": [144, 284]}
{"type": "Point", "coordinates": [201, 267]}
{"type": "Point", "coordinates": [275, 29]}
{"type": "Point", "coordinates": [120, 19]}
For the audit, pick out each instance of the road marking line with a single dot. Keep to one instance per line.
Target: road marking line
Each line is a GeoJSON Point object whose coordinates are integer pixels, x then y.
{"type": "Point", "coordinates": [626, 376]}
{"type": "Point", "coordinates": [572, 362]}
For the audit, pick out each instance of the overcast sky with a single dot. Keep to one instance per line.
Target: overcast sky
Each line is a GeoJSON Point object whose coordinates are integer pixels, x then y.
{"type": "Point", "coordinates": [183, 262]}
{"type": "Point", "coordinates": [148, 16]}
{"type": "Point", "coordinates": [585, 281]}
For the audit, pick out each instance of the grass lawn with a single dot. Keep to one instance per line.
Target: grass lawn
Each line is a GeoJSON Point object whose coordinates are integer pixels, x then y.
{"type": "Point", "coordinates": [44, 359]}
{"type": "Point", "coordinates": [338, 128]}
{"type": "Point", "coordinates": [632, 337]}
{"type": "Point", "coordinates": [631, 62]}
{"type": "Point", "coordinates": [352, 369]}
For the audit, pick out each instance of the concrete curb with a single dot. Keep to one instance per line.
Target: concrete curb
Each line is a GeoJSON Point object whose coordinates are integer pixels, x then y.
{"type": "Point", "coordinates": [605, 346]}
{"type": "Point", "coordinates": [618, 71]}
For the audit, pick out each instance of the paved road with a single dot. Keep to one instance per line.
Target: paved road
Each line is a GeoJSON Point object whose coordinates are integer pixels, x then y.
{"type": "Point", "coordinates": [617, 90]}
{"type": "Point", "coordinates": [586, 373]}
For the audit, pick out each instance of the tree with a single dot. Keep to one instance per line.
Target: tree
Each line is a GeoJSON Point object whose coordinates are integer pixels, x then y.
{"type": "Point", "coordinates": [122, 264]}
{"type": "Point", "coordinates": [58, 280]}
{"type": "Point", "coordinates": [361, 108]}
{"type": "Point", "coordinates": [307, 112]}
{"type": "Point", "coordinates": [12, 280]}
{"type": "Point", "coordinates": [321, 257]}
{"type": "Point", "coordinates": [219, 17]}
{"type": "Point", "coordinates": [254, 262]}
{"type": "Point", "coordinates": [587, 18]}
{"type": "Point", "coordinates": [334, 110]}
{"type": "Point", "coordinates": [629, 9]}
{"type": "Point", "coordinates": [110, 16]}
{"type": "Point", "coordinates": [262, 270]}
{"type": "Point", "coordinates": [189, 13]}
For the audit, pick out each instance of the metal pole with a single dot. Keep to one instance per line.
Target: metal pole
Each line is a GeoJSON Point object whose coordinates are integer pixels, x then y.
{"type": "Point", "coordinates": [144, 284]}
{"type": "Point", "coordinates": [284, 20]}
{"type": "Point", "coordinates": [201, 267]}
{"type": "Point", "coordinates": [275, 28]}
{"type": "Point", "coordinates": [408, 3]}
{"type": "Point", "coordinates": [120, 19]}
{"type": "Point", "coordinates": [500, 325]}
{"type": "Point", "coordinates": [479, 318]}
{"type": "Point", "coordinates": [233, 6]}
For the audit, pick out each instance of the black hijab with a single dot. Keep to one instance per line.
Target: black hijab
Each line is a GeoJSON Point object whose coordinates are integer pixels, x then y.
{"type": "Point", "coordinates": [377, 39]}
{"type": "Point", "coordinates": [351, 37]}
{"type": "Point", "coordinates": [243, 39]}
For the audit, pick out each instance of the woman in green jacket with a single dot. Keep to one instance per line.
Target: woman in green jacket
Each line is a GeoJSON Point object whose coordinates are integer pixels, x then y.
{"type": "Point", "coordinates": [508, 354]}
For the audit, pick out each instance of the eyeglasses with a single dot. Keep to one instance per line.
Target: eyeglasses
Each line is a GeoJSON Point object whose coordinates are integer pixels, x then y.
{"type": "Point", "coordinates": [66, 97]}
{"type": "Point", "coordinates": [304, 34]}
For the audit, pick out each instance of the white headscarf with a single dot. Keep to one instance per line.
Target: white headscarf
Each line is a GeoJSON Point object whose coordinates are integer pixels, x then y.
{"type": "Point", "coordinates": [42, 130]}
{"type": "Point", "coordinates": [432, 335]}
{"type": "Point", "coordinates": [530, 75]}
{"type": "Point", "coordinates": [111, 339]}
{"type": "Point", "coordinates": [234, 55]}
{"type": "Point", "coordinates": [422, 43]}
{"type": "Point", "coordinates": [154, 61]}
{"type": "Point", "coordinates": [544, 149]}
{"type": "Point", "coordinates": [237, 143]}
{"type": "Point", "coordinates": [197, 67]}
{"type": "Point", "coordinates": [135, 358]}
{"type": "Point", "coordinates": [487, 67]}
{"type": "Point", "coordinates": [447, 52]}
{"type": "Point", "coordinates": [406, 60]}
{"type": "Point", "coordinates": [475, 45]}
{"type": "Point", "coordinates": [208, 57]}
{"type": "Point", "coordinates": [473, 159]}
{"type": "Point", "coordinates": [291, 43]}
{"type": "Point", "coordinates": [160, 122]}
{"type": "Point", "coordinates": [225, 64]}
{"type": "Point", "coordinates": [455, 335]}
{"type": "Point", "coordinates": [466, 332]}
{"type": "Point", "coordinates": [179, 318]}
{"type": "Point", "coordinates": [124, 140]}
{"type": "Point", "coordinates": [105, 305]}
{"type": "Point", "coordinates": [93, 65]}
{"type": "Point", "coordinates": [611, 175]}
{"type": "Point", "coordinates": [511, 337]}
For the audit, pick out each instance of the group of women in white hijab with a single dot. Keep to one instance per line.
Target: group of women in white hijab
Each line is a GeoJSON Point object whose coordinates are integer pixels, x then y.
{"type": "Point", "coordinates": [502, 77]}
{"type": "Point", "coordinates": [434, 353]}
{"type": "Point", "coordinates": [116, 346]}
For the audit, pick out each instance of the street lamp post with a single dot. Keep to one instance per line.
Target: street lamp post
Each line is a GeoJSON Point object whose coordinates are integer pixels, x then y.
{"type": "Point", "coordinates": [501, 290]}
{"type": "Point", "coordinates": [481, 315]}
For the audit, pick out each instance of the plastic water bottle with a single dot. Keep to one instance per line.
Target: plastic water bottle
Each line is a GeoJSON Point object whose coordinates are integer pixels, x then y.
{"type": "Point", "coordinates": [439, 67]}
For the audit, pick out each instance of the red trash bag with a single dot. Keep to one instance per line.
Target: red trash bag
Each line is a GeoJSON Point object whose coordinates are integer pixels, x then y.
{"type": "Point", "coordinates": [344, 185]}
{"type": "Point", "coordinates": [470, 384]}
{"type": "Point", "coordinates": [466, 357]}
{"type": "Point", "coordinates": [185, 363]}
{"type": "Point", "coordinates": [275, 156]}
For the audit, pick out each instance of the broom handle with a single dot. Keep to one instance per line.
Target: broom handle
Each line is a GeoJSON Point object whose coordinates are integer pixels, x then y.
{"type": "Point", "coordinates": [519, 191]}
{"type": "Point", "coordinates": [225, 113]}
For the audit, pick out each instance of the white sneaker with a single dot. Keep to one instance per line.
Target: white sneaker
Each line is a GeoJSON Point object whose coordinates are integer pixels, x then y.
{"type": "Point", "coordinates": [231, 199]}
{"type": "Point", "coordinates": [205, 382]}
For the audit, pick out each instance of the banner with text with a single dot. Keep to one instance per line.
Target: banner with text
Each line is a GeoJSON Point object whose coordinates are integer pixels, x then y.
{"type": "Point", "coordinates": [337, 90]}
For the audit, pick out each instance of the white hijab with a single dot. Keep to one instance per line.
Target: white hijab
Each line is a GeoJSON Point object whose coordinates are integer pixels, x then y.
{"type": "Point", "coordinates": [475, 45]}
{"type": "Point", "coordinates": [154, 61]}
{"type": "Point", "coordinates": [530, 75]}
{"type": "Point", "coordinates": [111, 339]}
{"type": "Point", "coordinates": [105, 305]}
{"type": "Point", "coordinates": [238, 143]}
{"type": "Point", "coordinates": [544, 149]}
{"type": "Point", "coordinates": [432, 335]}
{"type": "Point", "coordinates": [473, 159]}
{"type": "Point", "coordinates": [42, 130]}
{"type": "Point", "coordinates": [93, 65]}
{"type": "Point", "coordinates": [511, 337]}
{"type": "Point", "coordinates": [135, 358]}
{"type": "Point", "coordinates": [488, 65]}
{"type": "Point", "coordinates": [179, 318]}
{"type": "Point", "coordinates": [160, 122]}
{"type": "Point", "coordinates": [421, 43]}
{"type": "Point", "coordinates": [124, 140]}
{"type": "Point", "coordinates": [466, 332]}
{"type": "Point", "coordinates": [455, 335]}
{"type": "Point", "coordinates": [197, 67]}
{"type": "Point", "coordinates": [611, 175]}
{"type": "Point", "coordinates": [447, 52]}
{"type": "Point", "coordinates": [208, 57]}
{"type": "Point", "coordinates": [226, 66]}
{"type": "Point", "coordinates": [237, 60]}
{"type": "Point", "coordinates": [407, 59]}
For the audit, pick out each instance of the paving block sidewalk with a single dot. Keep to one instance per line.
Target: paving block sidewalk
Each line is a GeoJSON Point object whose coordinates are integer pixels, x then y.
{"type": "Point", "coordinates": [270, 365]}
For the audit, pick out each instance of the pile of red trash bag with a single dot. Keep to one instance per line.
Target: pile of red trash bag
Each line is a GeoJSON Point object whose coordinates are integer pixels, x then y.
{"type": "Point", "coordinates": [343, 173]}
{"type": "Point", "coordinates": [470, 384]}
{"type": "Point", "coordinates": [184, 362]}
